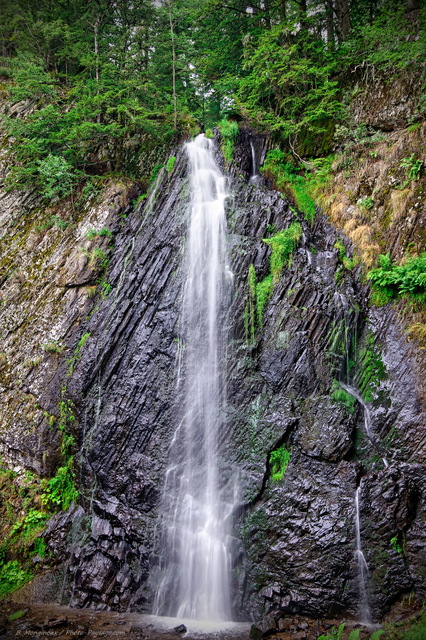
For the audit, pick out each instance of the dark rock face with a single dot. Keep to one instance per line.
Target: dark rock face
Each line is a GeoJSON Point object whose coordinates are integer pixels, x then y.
{"type": "Point", "coordinates": [383, 105]}
{"type": "Point", "coordinates": [294, 537]}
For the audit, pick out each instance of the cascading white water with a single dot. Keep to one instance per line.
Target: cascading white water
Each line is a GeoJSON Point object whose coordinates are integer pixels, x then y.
{"type": "Point", "coordinates": [364, 607]}
{"type": "Point", "coordinates": [195, 559]}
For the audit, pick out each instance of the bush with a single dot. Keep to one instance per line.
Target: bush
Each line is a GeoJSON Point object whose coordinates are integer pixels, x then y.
{"type": "Point", "coordinates": [12, 576]}
{"type": "Point", "coordinates": [305, 186]}
{"type": "Point", "coordinates": [229, 132]}
{"type": "Point", "coordinates": [408, 279]}
{"type": "Point", "coordinates": [414, 167]}
{"type": "Point", "coordinates": [60, 491]}
{"type": "Point", "coordinates": [57, 177]}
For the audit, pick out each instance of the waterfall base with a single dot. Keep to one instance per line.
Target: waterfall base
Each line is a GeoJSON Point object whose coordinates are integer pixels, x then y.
{"type": "Point", "coordinates": [201, 628]}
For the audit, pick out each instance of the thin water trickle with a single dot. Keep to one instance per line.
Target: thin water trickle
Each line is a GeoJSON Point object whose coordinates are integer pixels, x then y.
{"type": "Point", "coordinates": [367, 419]}
{"type": "Point", "coordinates": [255, 177]}
{"type": "Point", "coordinates": [364, 606]}
{"type": "Point", "coordinates": [195, 559]}
{"type": "Point", "coordinates": [367, 415]}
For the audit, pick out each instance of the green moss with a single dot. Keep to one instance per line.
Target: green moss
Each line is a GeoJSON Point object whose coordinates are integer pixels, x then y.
{"type": "Point", "coordinates": [279, 460]}
{"type": "Point", "coordinates": [170, 164]}
{"type": "Point", "coordinates": [303, 185]}
{"type": "Point", "coordinates": [283, 243]}
{"type": "Point", "coordinates": [282, 246]}
{"type": "Point", "coordinates": [264, 291]}
{"type": "Point", "coordinates": [250, 307]}
{"type": "Point", "coordinates": [17, 615]}
{"type": "Point", "coordinates": [342, 397]}
{"type": "Point", "coordinates": [370, 368]}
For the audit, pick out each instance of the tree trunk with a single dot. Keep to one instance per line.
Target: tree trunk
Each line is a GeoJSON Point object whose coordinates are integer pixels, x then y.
{"type": "Point", "coordinates": [413, 4]}
{"type": "Point", "coordinates": [97, 73]}
{"type": "Point", "coordinates": [343, 17]}
{"type": "Point", "coordinates": [172, 34]}
{"type": "Point", "coordinates": [303, 13]}
{"type": "Point", "coordinates": [330, 25]}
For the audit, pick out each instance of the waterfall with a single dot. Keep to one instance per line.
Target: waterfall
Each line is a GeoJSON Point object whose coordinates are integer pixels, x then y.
{"type": "Point", "coordinates": [364, 607]}
{"type": "Point", "coordinates": [367, 419]}
{"type": "Point", "coordinates": [194, 581]}
{"type": "Point", "coordinates": [255, 177]}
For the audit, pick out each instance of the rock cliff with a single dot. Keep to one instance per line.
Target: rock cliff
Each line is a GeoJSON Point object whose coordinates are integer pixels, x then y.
{"type": "Point", "coordinates": [294, 535]}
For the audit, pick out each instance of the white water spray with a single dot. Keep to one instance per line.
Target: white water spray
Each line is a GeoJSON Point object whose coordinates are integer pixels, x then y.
{"type": "Point", "coordinates": [195, 558]}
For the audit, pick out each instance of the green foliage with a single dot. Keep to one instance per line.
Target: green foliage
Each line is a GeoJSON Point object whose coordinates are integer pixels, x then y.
{"type": "Point", "coordinates": [250, 308]}
{"type": "Point", "coordinates": [60, 491]}
{"type": "Point", "coordinates": [377, 634]}
{"type": "Point", "coordinates": [354, 634]}
{"type": "Point", "coordinates": [414, 167]}
{"type": "Point", "coordinates": [343, 397]}
{"type": "Point", "coordinates": [53, 347]}
{"type": "Point", "coordinates": [283, 243]}
{"type": "Point", "coordinates": [335, 633]}
{"type": "Point", "coordinates": [386, 42]}
{"type": "Point", "coordinates": [407, 280]}
{"type": "Point", "coordinates": [30, 525]}
{"type": "Point", "coordinates": [12, 576]}
{"type": "Point", "coordinates": [229, 133]}
{"type": "Point", "coordinates": [170, 164]}
{"type": "Point", "coordinates": [17, 615]}
{"type": "Point", "coordinates": [395, 544]}
{"type": "Point", "coordinates": [264, 291]}
{"type": "Point", "coordinates": [279, 460]}
{"type": "Point", "coordinates": [282, 246]}
{"type": "Point", "coordinates": [343, 258]}
{"type": "Point", "coordinates": [105, 288]}
{"type": "Point", "coordinates": [75, 357]}
{"type": "Point", "coordinates": [303, 187]}
{"type": "Point", "coordinates": [289, 89]}
{"type": "Point", "coordinates": [154, 173]}
{"type": "Point", "coordinates": [30, 79]}
{"type": "Point", "coordinates": [57, 176]}
{"type": "Point", "coordinates": [366, 202]}
{"type": "Point", "coordinates": [39, 547]}
{"type": "Point", "coordinates": [102, 233]}
{"type": "Point", "coordinates": [416, 632]}
{"type": "Point", "coordinates": [209, 134]}
{"type": "Point", "coordinates": [99, 259]}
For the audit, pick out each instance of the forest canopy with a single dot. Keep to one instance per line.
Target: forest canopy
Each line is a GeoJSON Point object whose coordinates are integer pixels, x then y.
{"type": "Point", "coordinates": [99, 74]}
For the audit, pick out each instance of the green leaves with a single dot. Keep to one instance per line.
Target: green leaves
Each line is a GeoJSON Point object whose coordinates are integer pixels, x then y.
{"type": "Point", "coordinates": [408, 279]}
{"type": "Point", "coordinates": [289, 87]}
{"type": "Point", "coordinates": [57, 176]}
{"type": "Point", "coordinates": [282, 245]}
